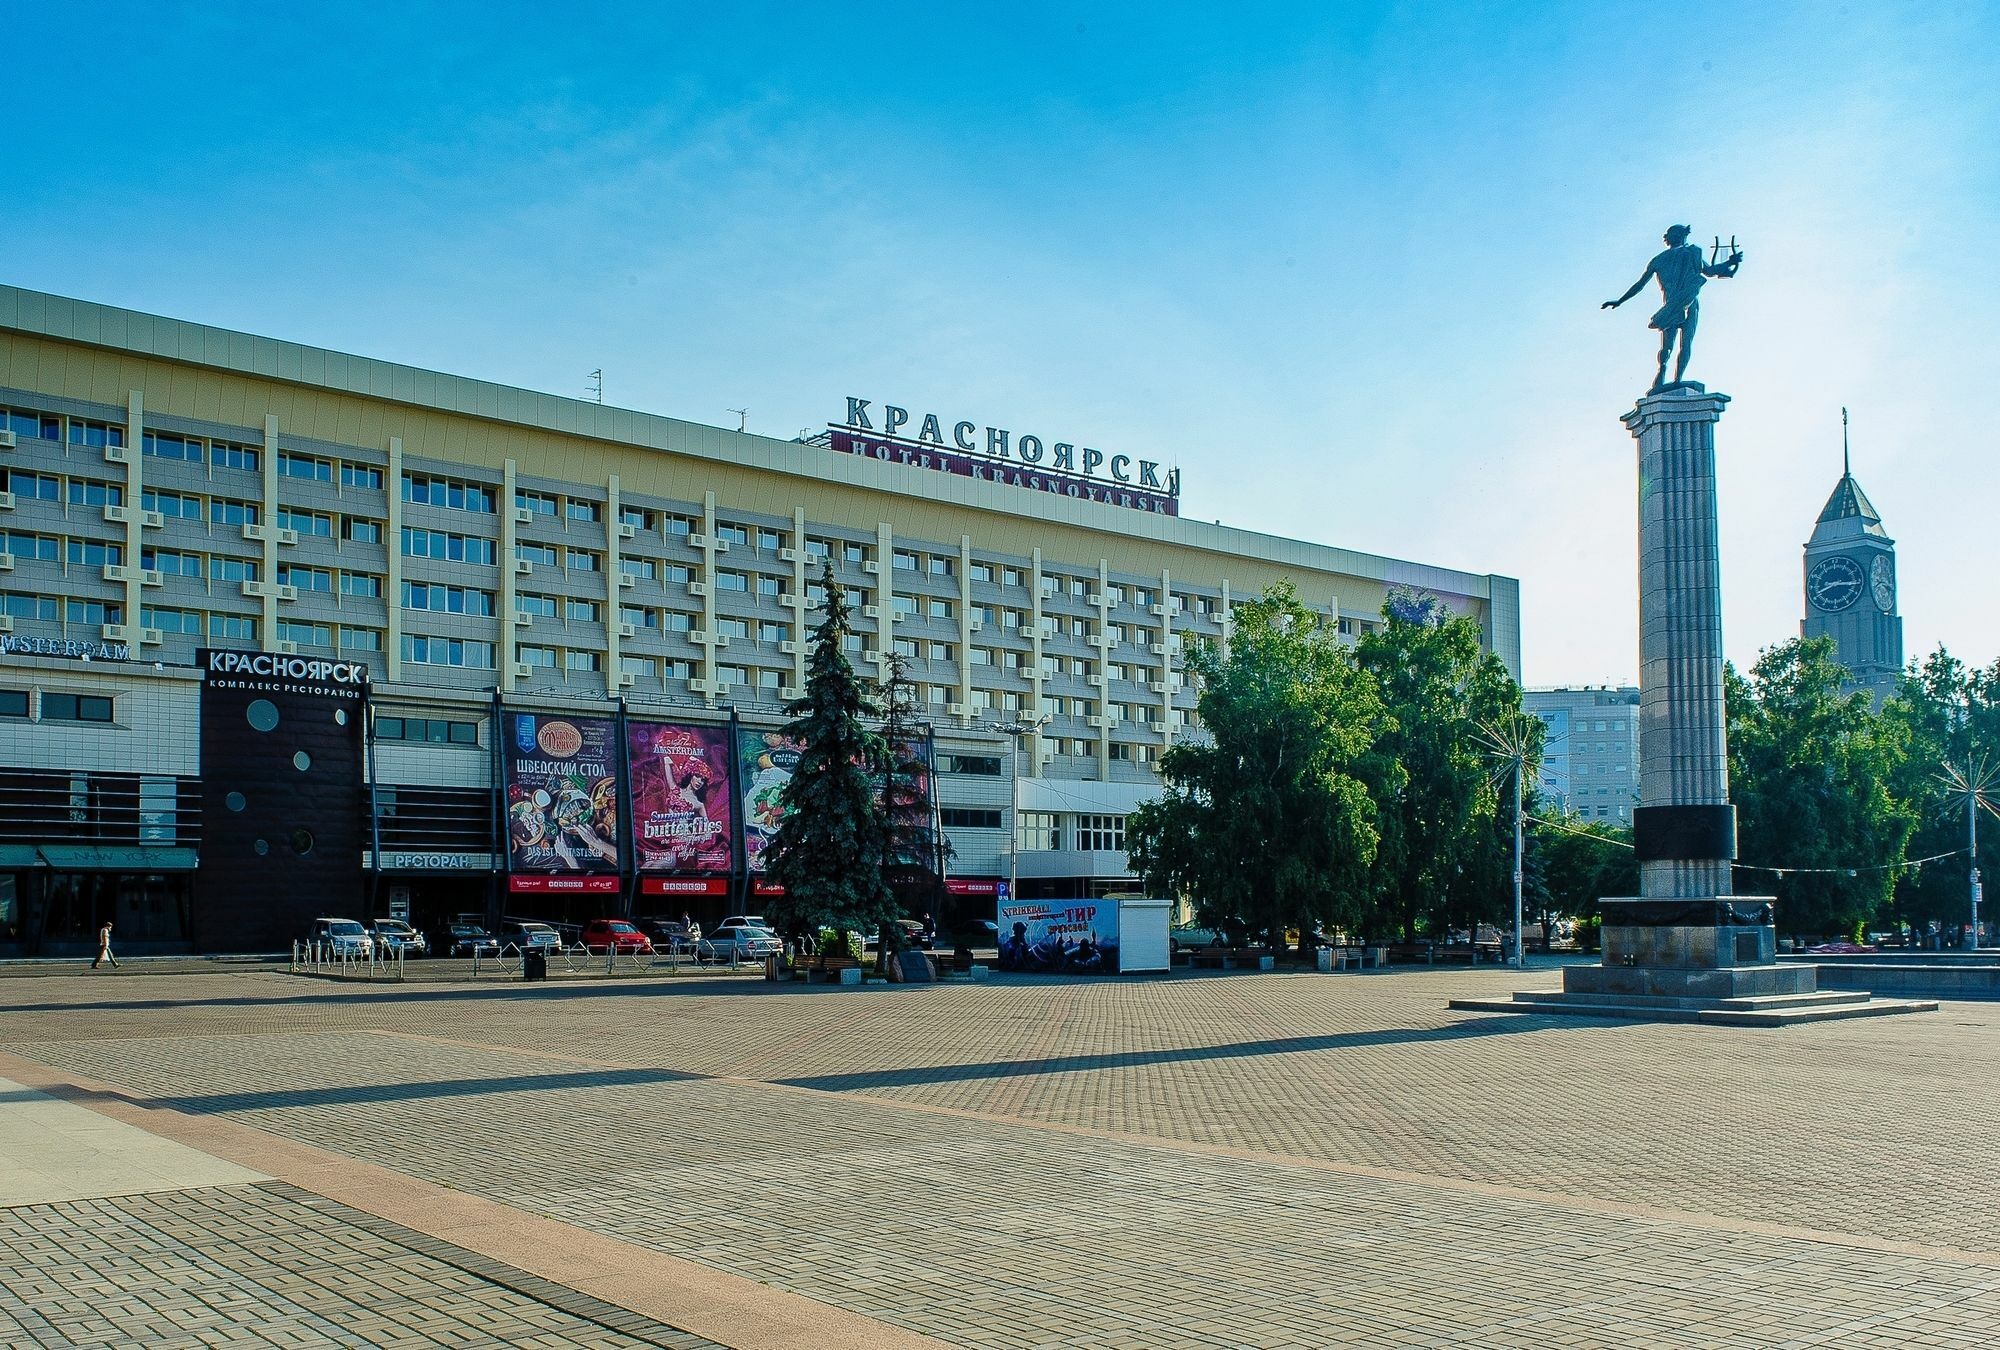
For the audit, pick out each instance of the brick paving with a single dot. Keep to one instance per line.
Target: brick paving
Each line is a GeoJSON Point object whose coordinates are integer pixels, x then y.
{"type": "Point", "coordinates": [1240, 1160]}
{"type": "Point", "coordinates": [264, 1265]}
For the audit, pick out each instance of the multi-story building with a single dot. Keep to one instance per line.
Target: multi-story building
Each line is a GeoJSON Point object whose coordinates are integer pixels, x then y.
{"type": "Point", "coordinates": [1590, 755]}
{"type": "Point", "coordinates": [485, 551]}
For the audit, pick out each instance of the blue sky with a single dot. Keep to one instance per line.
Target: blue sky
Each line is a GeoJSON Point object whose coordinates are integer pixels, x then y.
{"type": "Point", "coordinates": [1340, 263]}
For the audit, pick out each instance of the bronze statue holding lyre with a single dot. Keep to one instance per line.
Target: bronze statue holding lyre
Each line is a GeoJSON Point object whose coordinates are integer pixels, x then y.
{"type": "Point", "coordinates": [1682, 273]}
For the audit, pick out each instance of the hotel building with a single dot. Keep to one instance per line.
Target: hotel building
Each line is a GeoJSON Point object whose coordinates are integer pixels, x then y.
{"type": "Point", "coordinates": [168, 488]}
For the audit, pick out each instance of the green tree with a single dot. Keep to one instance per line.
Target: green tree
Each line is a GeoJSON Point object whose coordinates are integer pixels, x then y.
{"type": "Point", "coordinates": [1441, 864]}
{"type": "Point", "coordinates": [914, 860]}
{"type": "Point", "coordinates": [1582, 861]}
{"type": "Point", "coordinates": [1813, 771]}
{"type": "Point", "coordinates": [831, 846]}
{"type": "Point", "coordinates": [1950, 713]}
{"type": "Point", "coordinates": [1269, 824]}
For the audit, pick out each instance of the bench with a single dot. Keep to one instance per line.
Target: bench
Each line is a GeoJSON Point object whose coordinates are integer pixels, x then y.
{"type": "Point", "coordinates": [1360, 957]}
{"type": "Point", "coordinates": [1230, 958]}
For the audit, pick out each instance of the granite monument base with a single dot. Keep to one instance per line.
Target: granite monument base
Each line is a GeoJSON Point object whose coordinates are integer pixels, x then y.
{"type": "Point", "coordinates": [1710, 960]}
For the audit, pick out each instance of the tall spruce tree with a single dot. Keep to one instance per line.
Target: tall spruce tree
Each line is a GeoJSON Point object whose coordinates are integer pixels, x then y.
{"type": "Point", "coordinates": [831, 846]}
{"type": "Point", "coordinates": [912, 861]}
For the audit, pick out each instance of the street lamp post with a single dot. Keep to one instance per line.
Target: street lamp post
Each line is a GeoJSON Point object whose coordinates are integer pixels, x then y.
{"type": "Point", "coordinates": [1019, 730]}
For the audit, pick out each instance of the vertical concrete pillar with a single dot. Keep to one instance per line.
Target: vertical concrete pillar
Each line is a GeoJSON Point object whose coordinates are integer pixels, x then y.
{"type": "Point", "coordinates": [1684, 828]}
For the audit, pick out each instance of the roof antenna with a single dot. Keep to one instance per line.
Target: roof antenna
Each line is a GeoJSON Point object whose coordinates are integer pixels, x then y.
{"type": "Point", "coordinates": [1846, 467]}
{"type": "Point", "coordinates": [742, 418]}
{"type": "Point", "coordinates": [596, 386]}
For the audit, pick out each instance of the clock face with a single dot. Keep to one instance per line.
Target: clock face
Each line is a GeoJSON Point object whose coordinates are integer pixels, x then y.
{"type": "Point", "coordinates": [1835, 583]}
{"type": "Point", "coordinates": [1882, 580]}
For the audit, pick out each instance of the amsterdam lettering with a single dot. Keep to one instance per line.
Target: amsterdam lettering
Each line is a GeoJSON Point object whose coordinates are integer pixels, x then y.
{"type": "Point", "coordinates": [1017, 461]}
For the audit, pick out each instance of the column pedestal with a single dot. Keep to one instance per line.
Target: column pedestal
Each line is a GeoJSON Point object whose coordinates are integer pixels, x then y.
{"type": "Point", "coordinates": [1684, 948]}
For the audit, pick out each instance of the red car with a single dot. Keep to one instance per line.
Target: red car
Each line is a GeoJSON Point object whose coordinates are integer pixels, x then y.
{"type": "Point", "coordinates": [607, 935]}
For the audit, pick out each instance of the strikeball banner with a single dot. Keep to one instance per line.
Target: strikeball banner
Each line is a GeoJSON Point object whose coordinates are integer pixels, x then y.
{"type": "Point", "coordinates": [562, 793]}
{"type": "Point", "coordinates": [683, 812]}
{"type": "Point", "coordinates": [1076, 937]}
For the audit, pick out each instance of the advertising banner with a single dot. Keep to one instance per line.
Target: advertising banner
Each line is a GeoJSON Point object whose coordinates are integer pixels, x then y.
{"type": "Point", "coordinates": [764, 764]}
{"type": "Point", "coordinates": [562, 793]}
{"type": "Point", "coordinates": [912, 806]}
{"type": "Point", "coordinates": [683, 814]}
{"type": "Point", "coordinates": [1059, 936]}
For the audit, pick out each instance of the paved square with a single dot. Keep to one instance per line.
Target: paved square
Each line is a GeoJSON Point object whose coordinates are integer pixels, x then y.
{"type": "Point", "coordinates": [1233, 1160]}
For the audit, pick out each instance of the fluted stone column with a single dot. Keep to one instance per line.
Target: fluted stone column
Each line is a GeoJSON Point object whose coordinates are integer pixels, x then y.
{"type": "Point", "coordinates": [1685, 828]}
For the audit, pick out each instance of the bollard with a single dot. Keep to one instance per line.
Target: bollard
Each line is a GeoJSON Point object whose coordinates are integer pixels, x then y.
{"type": "Point", "coordinates": [610, 957]}
{"type": "Point", "coordinates": [475, 960]}
{"type": "Point", "coordinates": [399, 963]}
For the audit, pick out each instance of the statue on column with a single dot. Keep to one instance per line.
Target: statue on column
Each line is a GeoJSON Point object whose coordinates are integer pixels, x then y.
{"type": "Point", "coordinates": [1681, 273]}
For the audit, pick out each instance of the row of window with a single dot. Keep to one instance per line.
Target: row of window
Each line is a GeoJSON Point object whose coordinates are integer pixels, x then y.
{"type": "Point", "coordinates": [44, 706]}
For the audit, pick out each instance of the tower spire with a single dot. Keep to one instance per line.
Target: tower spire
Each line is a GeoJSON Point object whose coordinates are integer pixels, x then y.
{"type": "Point", "coordinates": [1846, 465]}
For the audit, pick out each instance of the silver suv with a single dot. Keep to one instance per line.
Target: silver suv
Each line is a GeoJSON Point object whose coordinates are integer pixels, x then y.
{"type": "Point", "coordinates": [343, 937]}
{"type": "Point", "coordinates": [393, 935]}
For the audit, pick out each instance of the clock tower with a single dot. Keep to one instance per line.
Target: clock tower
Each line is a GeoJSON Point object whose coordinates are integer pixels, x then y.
{"type": "Point", "coordinates": [1850, 579]}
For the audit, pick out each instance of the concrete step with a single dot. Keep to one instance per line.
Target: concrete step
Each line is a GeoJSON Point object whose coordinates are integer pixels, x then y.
{"type": "Point", "coordinates": [1610, 1000]}
{"type": "Point", "coordinates": [1823, 996]}
{"type": "Point", "coordinates": [1778, 1010]}
{"type": "Point", "coordinates": [1788, 1017]}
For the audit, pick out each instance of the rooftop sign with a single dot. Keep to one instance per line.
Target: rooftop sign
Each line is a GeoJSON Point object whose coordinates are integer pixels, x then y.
{"type": "Point", "coordinates": [996, 455]}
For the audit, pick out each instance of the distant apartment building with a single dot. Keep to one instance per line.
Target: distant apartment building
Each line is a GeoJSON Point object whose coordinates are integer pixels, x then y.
{"type": "Point", "coordinates": [1590, 757]}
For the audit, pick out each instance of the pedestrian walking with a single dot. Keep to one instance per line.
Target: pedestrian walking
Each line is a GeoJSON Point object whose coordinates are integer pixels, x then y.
{"type": "Point", "coordinates": [104, 947]}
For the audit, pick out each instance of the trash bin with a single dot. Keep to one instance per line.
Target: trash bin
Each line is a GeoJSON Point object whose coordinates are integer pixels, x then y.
{"type": "Point", "coordinates": [1323, 959]}
{"type": "Point", "coordinates": [534, 964]}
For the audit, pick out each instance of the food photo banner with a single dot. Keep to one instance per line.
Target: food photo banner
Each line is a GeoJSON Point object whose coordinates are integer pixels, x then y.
{"type": "Point", "coordinates": [683, 807]}
{"type": "Point", "coordinates": [562, 793]}
{"type": "Point", "coordinates": [764, 764]}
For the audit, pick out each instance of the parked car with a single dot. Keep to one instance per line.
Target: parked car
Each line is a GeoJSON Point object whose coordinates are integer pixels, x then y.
{"type": "Point", "coordinates": [668, 935]}
{"type": "Point", "coordinates": [393, 935]}
{"type": "Point", "coordinates": [740, 943]}
{"type": "Point", "coordinates": [1192, 937]}
{"type": "Point", "coordinates": [343, 937]}
{"type": "Point", "coordinates": [468, 939]}
{"type": "Point", "coordinates": [615, 935]}
{"type": "Point", "coordinates": [742, 921]}
{"type": "Point", "coordinates": [913, 935]}
{"type": "Point", "coordinates": [526, 934]}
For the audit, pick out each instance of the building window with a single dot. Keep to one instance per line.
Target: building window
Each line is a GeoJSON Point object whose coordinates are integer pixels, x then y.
{"type": "Point", "coordinates": [233, 457]}
{"type": "Point", "coordinates": [905, 560]}
{"type": "Point", "coordinates": [678, 525]}
{"type": "Point", "coordinates": [676, 670]}
{"type": "Point", "coordinates": [577, 560]}
{"type": "Point", "coordinates": [729, 676]}
{"type": "Point", "coordinates": [542, 554]}
{"type": "Point", "coordinates": [527, 603]}
{"type": "Point", "coordinates": [579, 662]}
{"type": "Point", "coordinates": [447, 493]}
{"type": "Point", "coordinates": [75, 708]}
{"type": "Point", "coordinates": [905, 647]}
{"type": "Point", "coordinates": [172, 620]}
{"type": "Point", "coordinates": [361, 584]}
{"type": "Point", "coordinates": [731, 581]}
{"type": "Point", "coordinates": [91, 553]}
{"type": "Point", "coordinates": [361, 639]}
{"type": "Point", "coordinates": [582, 611]}
{"type": "Point", "coordinates": [644, 569]}
{"type": "Point", "coordinates": [31, 547]}
{"type": "Point", "coordinates": [306, 578]}
{"type": "Point", "coordinates": [82, 492]}
{"type": "Point", "coordinates": [539, 657]}
{"type": "Point", "coordinates": [637, 617]}
{"type": "Point", "coordinates": [92, 613]}
{"type": "Point", "coordinates": [447, 599]}
{"type": "Point", "coordinates": [222, 511]}
{"type": "Point", "coordinates": [941, 567]}
{"type": "Point", "coordinates": [13, 703]}
{"type": "Point", "coordinates": [306, 522]}
{"type": "Point", "coordinates": [28, 607]}
{"type": "Point", "coordinates": [638, 518]}
{"type": "Point", "coordinates": [978, 766]}
{"type": "Point", "coordinates": [941, 609]}
{"type": "Point", "coordinates": [770, 587]}
{"type": "Point", "coordinates": [676, 621]}
{"type": "Point", "coordinates": [774, 632]}
{"type": "Point", "coordinates": [676, 573]}
{"type": "Point", "coordinates": [968, 818]}
{"type": "Point", "coordinates": [769, 681]}
{"type": "Point", "coordinates": [300, 466]}
{"type": "Point", "coordinates": [1100, 834]}
{"type": "Point", "coordinates": [732, 628]}
{"type": "Point", "coordinates": [432, 730]}
{"type": "Point", "coordinates": [903, 606]}
{"type": "Point", "coordinates": [982, 572]}
{"type": "Point", "coordinates": [638, 667]}
{"type": "Point", "coordinates": [767, 541]}
{"type": "Point", "coordinates": [31, 486]}
{"type": "Point", "coordinates": [438, 651]}
{"type": "Point", "coordinates": [94, 434]}
{"type": "Point", "coordinates": [853, 554]}
{"type": "Point", "coordinates": [446, 547]}
{"type": "Point", "coordinates": [364, 531]}
{"type": "Point", "coordinates": [231, 628]}
{"type": "Point", "coordinates": [535, 503]}
{"type": "Point", "coordinates": [584, 513]}
{"type": "Point", "coordinates": [163, 446]}
{"type": "Point", "coordinates": [1037, 830]}
{"type": "Point", "coordinates": [360, 476]}
{"type": "Point", "coordinates": [305, 634]}
{"type": "Point", "coordinates": [732, 534]}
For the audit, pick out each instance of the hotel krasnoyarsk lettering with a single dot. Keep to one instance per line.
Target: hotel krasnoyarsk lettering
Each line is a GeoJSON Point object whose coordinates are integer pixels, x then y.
{"type": "Point", "coordinates": [1017, 461]}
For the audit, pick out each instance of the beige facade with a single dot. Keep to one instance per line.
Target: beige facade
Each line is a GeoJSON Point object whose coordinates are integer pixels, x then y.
{"type": "Point", "coordinates": [173, 486]}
